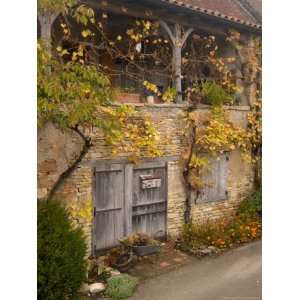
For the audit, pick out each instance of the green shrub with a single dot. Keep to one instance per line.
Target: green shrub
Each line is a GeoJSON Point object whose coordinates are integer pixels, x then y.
{"type": "Point", "coordinates": [61, 251]}
{"type": "Point", "coordinates": [214, 94]}
{"type": "Point", "coordinates": [121, 286]}
{"type": "Point", "coordinates": [251, 207]}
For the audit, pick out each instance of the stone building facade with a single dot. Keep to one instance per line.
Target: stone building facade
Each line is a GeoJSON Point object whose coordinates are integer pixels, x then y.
{"type": "Point", "coordinates": [57, 149]}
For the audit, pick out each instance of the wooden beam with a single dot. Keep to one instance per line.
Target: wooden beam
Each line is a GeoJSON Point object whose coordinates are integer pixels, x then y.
{"type": "Point", "coordinates": [177, 61]}
{"type": "Point", "coordinates": [178, 37]}
{"type": "Point", "coordinates": [119, 8]}
{"type": "Point", "coordinates": [46, 20]}
{"type": "Point", "coordinates": [166, 27]}
{"type": "Point", "coordinates": [186, 35]}
{"type": "Point", "coordinates": [136, 10]}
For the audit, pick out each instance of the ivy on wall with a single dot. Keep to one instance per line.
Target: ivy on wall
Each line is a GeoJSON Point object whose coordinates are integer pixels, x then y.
{"type": "Point", "coordinates": [210, 136]}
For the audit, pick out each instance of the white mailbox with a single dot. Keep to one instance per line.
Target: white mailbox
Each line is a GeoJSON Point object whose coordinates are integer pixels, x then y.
{"type": "Point", "coordinates": [150, 181]}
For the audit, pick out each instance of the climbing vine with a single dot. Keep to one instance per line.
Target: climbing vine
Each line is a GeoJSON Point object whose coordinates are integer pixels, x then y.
{"type": "Point", "coordinates": [77, 97]}
{"type": "Point", "coordinates": [211, 135]}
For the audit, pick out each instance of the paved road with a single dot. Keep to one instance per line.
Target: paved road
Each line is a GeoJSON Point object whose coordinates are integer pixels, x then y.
{"type": "Point", "coordinates": [235, 275]}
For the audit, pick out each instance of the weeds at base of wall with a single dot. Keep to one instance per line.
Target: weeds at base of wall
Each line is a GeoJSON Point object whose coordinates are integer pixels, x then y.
{"type": "Point", "coordinates": [244, 227]}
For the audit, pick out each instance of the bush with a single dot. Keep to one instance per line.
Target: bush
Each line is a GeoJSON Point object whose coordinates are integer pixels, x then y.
{"type": "Point", "coordinates": [214, 94]}
{"type": "Point", "coordinates": [210, 233]}
{"type": "Point", "coordinates": [139, 239]}
{"type": "Point", "coordinates": [251, 207]}
{"type": "Point", "coordinates": [121, 286]}
{"type": "Point", "coordinates": [61, 251]}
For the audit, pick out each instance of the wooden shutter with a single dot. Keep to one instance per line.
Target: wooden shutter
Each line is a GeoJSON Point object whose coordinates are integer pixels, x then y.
{"type": "Point", "coordinates": [216, 180]}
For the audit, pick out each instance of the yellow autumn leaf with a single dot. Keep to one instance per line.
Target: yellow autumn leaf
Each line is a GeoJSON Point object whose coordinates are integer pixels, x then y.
{"type": "Point", "coordinates": [85, 33]}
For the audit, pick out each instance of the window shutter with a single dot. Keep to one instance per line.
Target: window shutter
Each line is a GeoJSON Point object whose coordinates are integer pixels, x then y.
{"type": "Point", "coordinates": [215, 181]}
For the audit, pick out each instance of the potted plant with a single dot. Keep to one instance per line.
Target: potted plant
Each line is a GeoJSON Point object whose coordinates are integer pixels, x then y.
{"type": "Point", "coordinates": [150, 97]}
{"type": "Point", "coordinates": [141, 244]}
{"type": "Point", "coordinates": [119, 258]}
{"type": "Point", "coordinates": [213, 94]}
{"type": "Point", "coordinates": [151, 92]}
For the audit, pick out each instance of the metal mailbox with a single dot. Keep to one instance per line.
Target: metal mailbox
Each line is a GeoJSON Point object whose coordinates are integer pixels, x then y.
{"type": "Point", "coordinates": [150, 181]}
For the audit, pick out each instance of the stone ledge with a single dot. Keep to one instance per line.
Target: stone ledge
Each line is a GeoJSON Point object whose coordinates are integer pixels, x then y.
{"type": "Point", "coordinates": [226, 107]}
{"type": "Point", "coordinates": [184, 105]}
{"type": "Point", "coordinates": [156, 105]}
{"type": "Point", "coordinates": [95, 162]}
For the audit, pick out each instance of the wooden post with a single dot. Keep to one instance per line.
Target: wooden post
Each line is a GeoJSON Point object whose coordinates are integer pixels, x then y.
{"type": "Point", "coordinates": [46, 19]}
{"type": "Point", "coordinates": [177, 37]}
{"type": "Point", "coordinates": [177, 62]}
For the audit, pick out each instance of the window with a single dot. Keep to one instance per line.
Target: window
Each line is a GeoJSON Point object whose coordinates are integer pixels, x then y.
{"type": "Point", "coordinates": [215, 181]}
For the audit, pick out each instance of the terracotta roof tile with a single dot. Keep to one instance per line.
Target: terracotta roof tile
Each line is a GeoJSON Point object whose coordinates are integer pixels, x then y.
{"type": "Point", "coordinates": [231, 10]}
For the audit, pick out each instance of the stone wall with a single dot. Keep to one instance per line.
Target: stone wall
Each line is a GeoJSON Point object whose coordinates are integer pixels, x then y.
{"type": "Point", "coordinates": [57, 149]}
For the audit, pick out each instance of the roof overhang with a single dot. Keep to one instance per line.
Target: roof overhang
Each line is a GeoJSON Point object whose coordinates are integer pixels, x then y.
{"type": "Point", "coordinates": [176, 11]}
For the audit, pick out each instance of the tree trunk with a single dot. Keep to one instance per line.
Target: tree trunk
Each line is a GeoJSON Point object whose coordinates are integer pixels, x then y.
{"type": "Point", "coordinates": [186, 173]}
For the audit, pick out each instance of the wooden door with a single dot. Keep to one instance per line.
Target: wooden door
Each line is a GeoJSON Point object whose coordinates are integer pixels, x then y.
{"type": "Point", "coordinates": [109, 206]}
{"type": "Point", "coordinates": [128, 199]}
{"type": "Point", "coordinates": [149, 200]}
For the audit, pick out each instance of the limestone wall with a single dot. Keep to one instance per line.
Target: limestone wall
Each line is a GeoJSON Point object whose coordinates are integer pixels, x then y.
{"type": "Point", "coordinates": [57, 149]}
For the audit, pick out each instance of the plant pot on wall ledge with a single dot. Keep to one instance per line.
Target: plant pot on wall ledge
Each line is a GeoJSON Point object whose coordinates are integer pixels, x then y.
{"type": "Point", "coordinates": [128, 98]}
{"type": "Point", "coordinates": [150, 99]}
{"type": "Point", "coordinates": [197, 99]}
{"type": "Point", "coordinates": [153, 100]}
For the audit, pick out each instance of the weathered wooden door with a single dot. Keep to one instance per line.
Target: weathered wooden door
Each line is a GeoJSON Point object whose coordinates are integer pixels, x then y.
{"type": "Point", "coordinates": [149, 205]}
{"type": "Point", "coordinates": [109, 205]}
{"type": "Point", "coordinates": [128, 199]}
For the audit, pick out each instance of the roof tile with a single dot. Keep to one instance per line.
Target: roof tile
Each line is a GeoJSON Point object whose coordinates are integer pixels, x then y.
{"type": "Point", "coordinates": [226, 9]}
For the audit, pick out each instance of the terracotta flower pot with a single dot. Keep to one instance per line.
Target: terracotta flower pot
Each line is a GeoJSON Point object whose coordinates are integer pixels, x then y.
{"type": "Point", "coordinates": [128, 98]}
{"type": "Point", "coordinates": [198, 99]}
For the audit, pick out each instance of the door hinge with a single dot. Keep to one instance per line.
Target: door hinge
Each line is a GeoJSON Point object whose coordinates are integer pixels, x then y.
{"type": "Point", "coordinates": [94, 212]}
